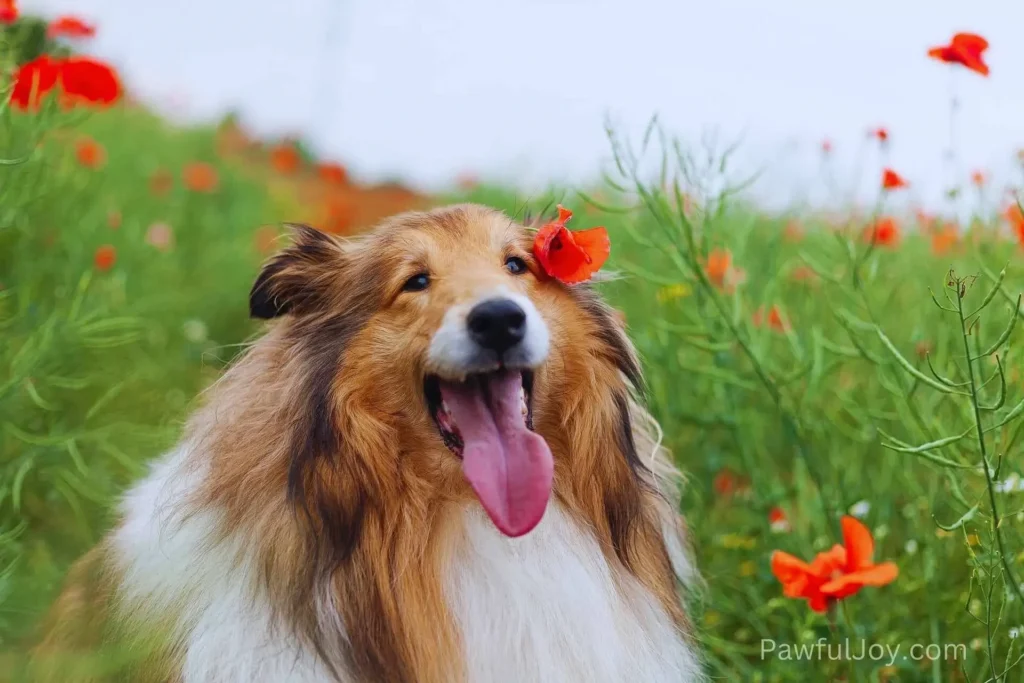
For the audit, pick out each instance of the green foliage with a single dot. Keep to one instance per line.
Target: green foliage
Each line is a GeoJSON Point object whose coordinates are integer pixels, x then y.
{"type": "Point", "coordinates": [867, 398]}
{"type": "Point", "coordinates": [98, 367]}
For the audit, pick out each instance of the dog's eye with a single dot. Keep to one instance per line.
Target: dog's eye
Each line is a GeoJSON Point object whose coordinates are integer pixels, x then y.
{"type": "Point", "coordinates": [515, 265]}
{"type": "Point", "coordinates": [417, 283]}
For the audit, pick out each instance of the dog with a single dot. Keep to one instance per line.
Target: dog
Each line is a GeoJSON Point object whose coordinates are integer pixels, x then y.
{"type": "Point", "coordinates": [433, 466]}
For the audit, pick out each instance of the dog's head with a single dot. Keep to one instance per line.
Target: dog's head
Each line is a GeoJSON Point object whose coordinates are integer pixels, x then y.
{"type": "Point", "coordinates": [440, 355]}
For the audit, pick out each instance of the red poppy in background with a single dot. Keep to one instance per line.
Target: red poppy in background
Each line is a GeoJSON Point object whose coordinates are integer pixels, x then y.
{"type": "Point", "coordinates": [881, 134]}
{"type": "Point", "coordinates": [161, 182]}
{"type": "Point", "coordinates": [1015, 217]}
{"type": "Point", "coordinates": [332, 173]}
{"type": "Point", "coordinates": [885, 232]}
{"type": "Point", "coordinates": [891, 180]}
{"type": "Point", "coordinates": [90, 153]}
{"type": "Point", "coordinates": [89, 80]}
{"type": "Point", "coordinates": [966, 49]}
{"type": "Point", "coordinates": [979, 179]}
{"type": "Point", "coordinates": [69, 26]}
{"type": "Point", "coordinates": [285, 159]}
{"type": "Point", "coordinates": [33, 81]}
{"type": "Point", "coordinates": [774, 319]}
{"type": "Point", "coordinates": [826, 146]}
{"type": "Point", "coordinates": [82, 80]}
{"type": "Point", "coordinates": [199, 176]}
{"type": "Point", "coordinates": [570, 256]}
{"type": "Point", "coordinates": [719, 261]}
{"type": "Point", "coordinates": [834, 574]}
{"type": "Point", "coordinates": [8, 11]}
{"type": "Point", "coordinates": [945, 238]}
{"type": "Point", "coordinates": [105, 257]}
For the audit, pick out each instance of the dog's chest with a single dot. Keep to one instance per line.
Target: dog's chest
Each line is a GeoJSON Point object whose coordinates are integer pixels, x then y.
{"type": "Point", "coordinates": [546, 607]}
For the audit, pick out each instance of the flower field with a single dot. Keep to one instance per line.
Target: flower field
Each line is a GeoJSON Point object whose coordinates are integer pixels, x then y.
{"type": "Point", "coordinates": [844, 390]}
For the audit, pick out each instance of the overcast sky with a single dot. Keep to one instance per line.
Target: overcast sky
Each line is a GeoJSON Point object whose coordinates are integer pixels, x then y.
{"type": "Point", "coordinates": [519, 90]}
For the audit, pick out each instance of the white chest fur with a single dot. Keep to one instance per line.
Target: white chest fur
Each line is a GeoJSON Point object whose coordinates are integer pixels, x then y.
{"type": "Point", "coordinates": [544, 607]}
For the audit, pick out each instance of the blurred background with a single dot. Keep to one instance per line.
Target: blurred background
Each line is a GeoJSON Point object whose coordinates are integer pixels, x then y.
{"type": "Point", "coordinates": [430, 90]}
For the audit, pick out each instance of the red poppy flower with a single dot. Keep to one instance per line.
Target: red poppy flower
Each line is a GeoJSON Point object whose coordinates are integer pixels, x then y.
{"type": "Point", "coordinates": [334, 174]}
{"type": "Point", "coordinates": [285, 159]}
{"type": "Point", "coordinates": [90, 81]}
{"type": "Point", "coordinates": [881, 134]}
{"type": "Point", "coordinates": [719, 262]}
{"type": "Point", "coordinates": [835, 574]}
{"type": "Point", "coordinates": [1015, 217]}
{"type": "Point", "coordinates": [727, 483]}
{"type": "Point", "coordinates": [778, 521]}
{"type": "Point", "coordinates": [90, 153]}
{"type": "Point", "coordinates": [774, 319]}
{"type": "Point", "coordinates": [979, 179]}
{"type": "Point", "coordinates": [793, 232]}
{"type": "Point", "coordinates": [966, 49]}
{"type": "Point", "coordinates": [891, 180]}
{"type": "Point", "coordinates": [826, 146]}
{"type": "Point", "coordinates": [885, 232]}
{"type": "Point", "coordinates": [944, 239]}
{"type": "Point", "coordinates": [8, 11]}
{"type": "Point", "coordinates": [70, 27]}
{"type": "Point", "coordinates": [570, 256]}
{"type": "Point", "coordinates": [105, 257]}
{"type": "Point", "coordinates": [33, 81]}
{"type": "Point", "coordinates": [199, 176]}
{"type": "Point", "coordinates": [161, 182]}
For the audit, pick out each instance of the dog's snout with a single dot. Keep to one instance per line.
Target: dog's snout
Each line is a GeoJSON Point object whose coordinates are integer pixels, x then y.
{"type": "Point", "coordinates": [497, 324]}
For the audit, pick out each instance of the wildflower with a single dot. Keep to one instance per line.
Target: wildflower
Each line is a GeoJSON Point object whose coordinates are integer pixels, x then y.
{"type": "Point", "coordinates": [793, 232]}
{"type": "Point", "coordinates": [826, 146]}
{"type": "Point", "coordinates": [340, 215]}
{"type": "Point", "coordinates": [885, 232]}
{"type": "Point", "coordinates": [891, 180]}
{"type": "Point", "coordinates": [200, 176]}
{"type": "Point", "coordinates": [778, 521]}
{"type": "Point", "coordinates": [89, 81]}
{"type": "Point", "coordinates": [725, 482]}
{"type": "Point", "coordinates": [718, 266]}
{"type": "Point", "coordinates": [836, 573]}
{"type": "Point", "coordinates": [285, 159]}
{"type": "Point", "coordinates": [161, 182]}
{"type": "Point", "coordinates": [570, 256]}
{"type": "Point", "coordinates": [979, 179]}
{"type": "Point", "coordinates": [881, 134]}
{"type": "Point", "coordinates": [943, 240]}
{"type": "Point", "coordinates": [966, 49]}
{"type": "Point", "coordinates": [33, 81]}
{"type": "Point", "coordinates": [467, 181]}
{"type": "Point", "coordinates": [8, 11]}
{"type": "Point", "coordinates": [90, 153]}
{"type": "Point", "coordinates": [195, 331]}
{"type": "Point", "coordinates": [114, 219]}
{"type": "Point", "coordinates": [69, 26]}
{"type": "Point", "coordinates": [673, 292]}
{"type": "Point", "coordinates": [1015, 217]}
{"type": "Point", "coordinates": [105, 257]}
{"type": "Point", "coordinates": [334, 174]}
{"type": "Point", "coordinates": [860, 509]}
{"type": "Point", "coordinates": [774, 319]}
{"type": "Point", "coordinates": [160, 236]}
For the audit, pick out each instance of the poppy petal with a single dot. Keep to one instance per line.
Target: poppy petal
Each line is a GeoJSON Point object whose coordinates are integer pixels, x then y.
{"type": "Point", "coordinates": [788, 568]}
{"type": "Point", "coordinates": [971, 42]}
{"type": "Point", "coordinates": [860, 547]}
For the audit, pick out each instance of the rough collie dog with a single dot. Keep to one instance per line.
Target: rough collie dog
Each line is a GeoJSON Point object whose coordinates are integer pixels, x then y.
{"type": "Point", "coordinates": [432, 467]}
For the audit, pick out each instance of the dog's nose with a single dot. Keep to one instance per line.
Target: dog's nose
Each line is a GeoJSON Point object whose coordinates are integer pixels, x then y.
{"type": "Point", "coordinates": [497, 324]}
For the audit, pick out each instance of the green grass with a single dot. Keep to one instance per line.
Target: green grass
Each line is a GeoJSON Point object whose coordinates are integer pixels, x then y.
{"type": "Point", "coordinates": [99, 368]}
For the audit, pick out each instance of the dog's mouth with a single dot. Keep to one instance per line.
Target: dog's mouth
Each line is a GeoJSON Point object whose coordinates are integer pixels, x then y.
{"type": "Point", "coordinates": [487, 421]}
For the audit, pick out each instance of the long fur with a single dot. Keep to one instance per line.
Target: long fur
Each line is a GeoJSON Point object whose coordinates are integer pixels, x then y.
{"type": "Point", "coordinates": [311, 525]}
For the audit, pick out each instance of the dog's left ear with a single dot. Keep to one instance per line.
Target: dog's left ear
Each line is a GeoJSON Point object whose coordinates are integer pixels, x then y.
{"type": "Point", "coordinates": [297, 280]}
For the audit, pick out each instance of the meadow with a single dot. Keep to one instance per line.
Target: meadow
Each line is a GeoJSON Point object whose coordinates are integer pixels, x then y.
{"type": "Point", "coordinates": [802, 367]}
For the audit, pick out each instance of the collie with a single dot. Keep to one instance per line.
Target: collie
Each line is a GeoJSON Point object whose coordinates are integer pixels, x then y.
{"type": "Point", "coordinates": [434, 466]}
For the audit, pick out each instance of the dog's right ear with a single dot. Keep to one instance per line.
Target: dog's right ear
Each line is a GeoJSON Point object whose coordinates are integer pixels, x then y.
{"type": "Point", "coordinates": [297, 279]}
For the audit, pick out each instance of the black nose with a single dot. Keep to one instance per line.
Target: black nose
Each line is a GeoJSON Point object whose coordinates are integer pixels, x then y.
{"type": "Point", "coordinates": [497, 324]}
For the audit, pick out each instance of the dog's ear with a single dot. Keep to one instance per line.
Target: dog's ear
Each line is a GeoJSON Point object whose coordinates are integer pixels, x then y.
{"type": "Point", "coordinates": [297, 279]}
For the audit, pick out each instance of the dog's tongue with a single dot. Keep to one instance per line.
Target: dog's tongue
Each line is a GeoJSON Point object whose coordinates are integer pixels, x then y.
{"type": "Point", "coordinates": [508, 466]}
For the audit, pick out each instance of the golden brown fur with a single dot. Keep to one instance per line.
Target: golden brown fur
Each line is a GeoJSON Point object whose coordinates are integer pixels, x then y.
{"type": "Point", "coordinates": [323, 458]}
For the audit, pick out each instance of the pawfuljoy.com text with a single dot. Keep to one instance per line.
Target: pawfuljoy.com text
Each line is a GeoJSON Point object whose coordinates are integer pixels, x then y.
{"type": "Point", "coordinates": [853, 649]}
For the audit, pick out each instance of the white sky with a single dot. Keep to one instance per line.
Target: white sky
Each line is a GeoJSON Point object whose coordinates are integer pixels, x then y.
{"type": "Point", "coordinates": [519, 90]}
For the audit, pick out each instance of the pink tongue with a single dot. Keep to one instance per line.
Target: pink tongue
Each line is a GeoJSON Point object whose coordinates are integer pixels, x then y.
{"type": "Point", "coordinates": [508, 466]}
